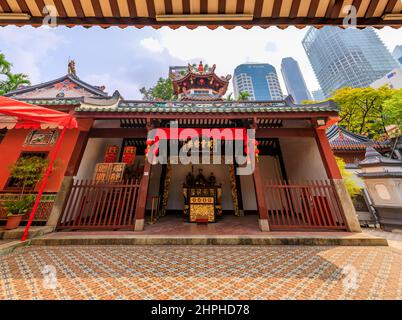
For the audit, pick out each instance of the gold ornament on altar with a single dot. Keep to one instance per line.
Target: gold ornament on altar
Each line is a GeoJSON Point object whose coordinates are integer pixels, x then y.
{"type": "Point", "coordinates": [202, 197]}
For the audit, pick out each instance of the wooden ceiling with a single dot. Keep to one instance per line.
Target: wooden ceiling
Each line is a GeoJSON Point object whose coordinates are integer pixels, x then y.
{"type": "Point", "coordinates": [193, 13]}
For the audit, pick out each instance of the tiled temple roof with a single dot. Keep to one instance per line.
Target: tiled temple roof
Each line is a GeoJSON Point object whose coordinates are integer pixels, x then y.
{"type": "Point", "coordinates": [53, 102]}
{"type": "Point", "coordinates": [341, 139]}
{"type": "Point", "coordinates": [286, 105]}
{"type": "Point", "coordinates": [68, 78]}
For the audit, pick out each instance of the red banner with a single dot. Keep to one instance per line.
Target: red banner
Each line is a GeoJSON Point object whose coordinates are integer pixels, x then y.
{"type": "Point", "coordinates": [129, 155]}
{"type": "Point", "coordinates": [111, 154]}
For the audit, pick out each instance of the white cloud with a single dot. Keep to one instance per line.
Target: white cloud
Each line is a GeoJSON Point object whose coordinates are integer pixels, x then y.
{"type": "Point", "coordinates": [28, 50]}
{"type": "Point", "coordinates": [128, 89]}
{"type": "Point", "coordinates": [229, 48]}
{"type": "Point", "coordinates": [152, 45]}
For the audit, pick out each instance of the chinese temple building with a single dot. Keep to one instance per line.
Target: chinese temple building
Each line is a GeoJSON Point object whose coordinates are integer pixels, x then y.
{"type": "Point", "coordinates": [351, 147]}
{"type": "Point", "coordinates": [109, 179]}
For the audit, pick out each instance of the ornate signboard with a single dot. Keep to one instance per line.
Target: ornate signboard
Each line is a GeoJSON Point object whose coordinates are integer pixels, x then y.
{"type": "Point", "coordinates": [111, 154]}
{"type": "Point", "coordinates": [41, 137]}
{"type": "Point", "coordinates": [129, 155]}
{"type": "Point", "coordinates": [109, 172]}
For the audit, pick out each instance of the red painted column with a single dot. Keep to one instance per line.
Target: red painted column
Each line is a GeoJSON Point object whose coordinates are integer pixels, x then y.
{"type": "Point", "coordinates": [260, 196]}
{"type": "Point", "coordinates": [327, 155]}
{"type": "Point", "coordinates": [142, 198]}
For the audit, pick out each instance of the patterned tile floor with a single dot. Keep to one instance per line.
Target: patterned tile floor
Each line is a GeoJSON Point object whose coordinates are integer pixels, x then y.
{"type": "Point", "coordinates": [201, 272]}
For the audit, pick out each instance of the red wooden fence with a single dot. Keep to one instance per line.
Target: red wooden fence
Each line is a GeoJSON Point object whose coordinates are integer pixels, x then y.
{"type": "Point", "coordinates": [101, 206]}
{"type": "Point", "coordinates": [303, 205]}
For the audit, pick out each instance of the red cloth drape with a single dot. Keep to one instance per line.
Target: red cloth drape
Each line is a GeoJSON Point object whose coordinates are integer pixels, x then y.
{"type": "Point", "coordinates": [29, 115]}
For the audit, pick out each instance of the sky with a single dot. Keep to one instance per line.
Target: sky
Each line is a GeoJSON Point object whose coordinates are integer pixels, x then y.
{"type": "Point", "coordinates": [128, 59]}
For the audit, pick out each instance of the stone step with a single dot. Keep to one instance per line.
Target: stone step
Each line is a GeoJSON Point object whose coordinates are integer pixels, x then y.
{"type": "Point", "coordinates": [356, 239]}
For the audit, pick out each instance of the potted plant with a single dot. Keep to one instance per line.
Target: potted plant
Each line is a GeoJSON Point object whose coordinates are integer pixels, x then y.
{"type": "Point", "coordinates": [16, 209]}
{"type": "Point", "coordinates": [27, 171]}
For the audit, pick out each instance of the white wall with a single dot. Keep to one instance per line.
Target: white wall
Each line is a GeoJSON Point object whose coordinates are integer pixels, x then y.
{"type": "Point", "coordinates": [269, 169]}
{"type": "Point", "coordinates": [95, 153]}
{"type": "Point", "coordinates": [302, 158]}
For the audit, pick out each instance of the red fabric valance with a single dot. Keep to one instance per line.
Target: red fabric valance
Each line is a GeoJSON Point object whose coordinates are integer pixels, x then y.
{"type": "Point", "coordinates": [31, 116]}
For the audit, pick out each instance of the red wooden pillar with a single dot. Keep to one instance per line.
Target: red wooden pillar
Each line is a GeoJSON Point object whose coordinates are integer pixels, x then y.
{"type": "Point", "coordinates": [334, 174]}
{"type": "Point", "coordinates": [142, 198]}
{"type": "Point", "coordinates": [327, 155]}
{"type": "Point", "coordinates": [260, 196]}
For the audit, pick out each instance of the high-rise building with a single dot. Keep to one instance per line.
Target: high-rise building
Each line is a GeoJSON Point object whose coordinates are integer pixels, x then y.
{"type": "Point", "coordinates": [397, 54]}
{"type": "Point", "coordinates": [318, 95]}
{"type": "Point", "coordinates": [294, 81]}
{"type": "Point", "coordinates": [259, 80]}
{"type": "Point", "coordinates": [346, 57]}
{"type": "Point", "coordinates": [392, 80]}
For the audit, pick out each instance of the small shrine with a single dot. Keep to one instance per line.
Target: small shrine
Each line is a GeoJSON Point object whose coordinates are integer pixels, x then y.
{"type": "Point", "coordinates": [202, 198]}
{"type": "Point", "coordinates": [199, 84]}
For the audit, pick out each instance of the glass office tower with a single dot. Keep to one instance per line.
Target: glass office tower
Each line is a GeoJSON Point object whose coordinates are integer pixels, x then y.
{"type": "Point", "coordinates": [294, 81]}
{"type": "Point", "coordinates": [346, 57]}
{"type": "Point", "coordinates": [260, 80]}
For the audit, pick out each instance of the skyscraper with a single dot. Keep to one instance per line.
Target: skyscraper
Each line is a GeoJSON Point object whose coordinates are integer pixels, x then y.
{"type": "Point", "coordinates": [318, 95]}
{"type": "Point", "coordinates": [294, 81]}
{"type": "Point", "coordinates": [259, 80]}
{"type": "Point", "coordinates": [397, 54]}
{"type": "Point", "coordinates": [346, 57]}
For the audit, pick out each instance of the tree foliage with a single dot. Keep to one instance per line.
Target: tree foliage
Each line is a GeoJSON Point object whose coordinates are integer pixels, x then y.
{"type": "Point", "coordinates": [393, 109]}
{"type": "Point", "coordinates": [350, 184]}
{"type": "Point", "coordinates": [10, 81]}
{"type": "Point", "coordinates": [163, 90]}
{"type": "Point", "coordinates": [243, 96]}
{"type": "Point", "coordinates": [367, 110]}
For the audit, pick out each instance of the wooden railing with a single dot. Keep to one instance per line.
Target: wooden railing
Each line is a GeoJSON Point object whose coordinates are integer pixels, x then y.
{"type": "Point", "coordinates": [44, 208]}
{"type": "Point", "coordinates": [102, 206]}
{"type": "Point", "coordinates": [296, 205]}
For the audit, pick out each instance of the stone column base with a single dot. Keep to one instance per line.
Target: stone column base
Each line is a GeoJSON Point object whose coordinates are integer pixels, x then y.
{"type": "Point", "coordinates": [352, 221]}
{"type": "Point", "coordinates": [61, 197]}
{"type": "Point", "coordinates": [264, 225]}
{"type": "Point", "coordinates": [139, 225]}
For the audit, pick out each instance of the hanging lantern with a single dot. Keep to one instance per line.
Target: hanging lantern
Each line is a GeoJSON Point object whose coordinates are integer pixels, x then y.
{"type": "Point", "coordinates": [256, 151]}
{"type": "Point", "coordinates": [149, 143]}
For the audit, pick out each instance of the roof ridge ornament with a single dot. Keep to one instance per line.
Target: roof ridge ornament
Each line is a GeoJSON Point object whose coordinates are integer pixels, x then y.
{"type": "Point", "coordinates": [71, 68]}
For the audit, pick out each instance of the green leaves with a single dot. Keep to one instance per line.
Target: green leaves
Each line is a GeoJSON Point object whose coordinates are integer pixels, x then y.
{"type": "Point", "coordinates": [12, 80]}
{"type": "Point", "coordinates": [29, 170]}
{"type": "Point", "coordinates": [163, 90]}
{"type": "Point", "coordinates": [368, 111]}
{"type": "Point", "coordinates": [243, 96]}
{"type": "Point", "coordinates": [393, 109]}
{"type": "Point", "coordinates": [19, 206]}
{"type": "Point", "coordinates": [350, 183]}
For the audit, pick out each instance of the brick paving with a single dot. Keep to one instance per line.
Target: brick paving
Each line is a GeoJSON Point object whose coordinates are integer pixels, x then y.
{"type": "Point", "coordinates": [201, 272]}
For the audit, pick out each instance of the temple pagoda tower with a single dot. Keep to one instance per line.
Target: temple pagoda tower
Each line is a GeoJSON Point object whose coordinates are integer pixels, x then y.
{"type": "Point", "coordinates": [199, 84]}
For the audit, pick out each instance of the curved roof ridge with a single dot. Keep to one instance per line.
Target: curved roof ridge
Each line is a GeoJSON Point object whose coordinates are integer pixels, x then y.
{"type": "Point", "coordinates": [75, 79]}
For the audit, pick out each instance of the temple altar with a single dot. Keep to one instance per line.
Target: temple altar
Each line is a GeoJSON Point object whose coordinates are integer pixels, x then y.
{"type": "Point", "coordinates": [202, 198]}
